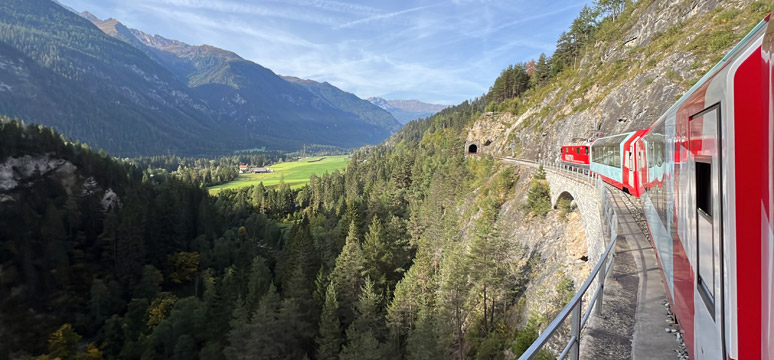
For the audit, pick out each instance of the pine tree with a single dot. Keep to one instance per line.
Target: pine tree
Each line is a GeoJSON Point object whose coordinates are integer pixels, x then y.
{"type": "Point", "coordinates": [264, 331]}
{"type": "Point", "coordinates": [329, 341]}
{"type": "Point", "coordinates": [347, 276]}
{"type": "Point", "coordinates": [150, 283]}
{"type": "Point", "coordinates": [361, 346]}
{"type": "Point", "coordinates": [454, 293]}
{"type": "Point", "coordinates": [368, 311]}
{"type": "Point", "coordinates": [239, 336]}
{"type": "Point", "coordinates": [423, 341]}
{"type": "Point", "coordinates": [377, 254]}
{"type": "Point", "coordinates": [258, 282]}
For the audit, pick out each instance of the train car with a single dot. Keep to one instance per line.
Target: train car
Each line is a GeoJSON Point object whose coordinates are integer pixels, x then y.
{"type": "Point", "coordinates": [614, 159]}
{"type": "Point", "coordinates": [576, 154]}
{"type": "Point", "coordinates": [705, 174]}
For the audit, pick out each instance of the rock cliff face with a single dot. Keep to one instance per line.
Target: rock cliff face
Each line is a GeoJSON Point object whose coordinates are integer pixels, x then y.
{"type": "Point", "coordinates": [19, 174]}
{"type": "Point", "coordinates": [638, 67]}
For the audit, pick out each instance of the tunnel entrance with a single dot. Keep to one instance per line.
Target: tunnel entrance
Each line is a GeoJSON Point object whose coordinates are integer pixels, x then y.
{"type": "Point", "coordinates": [473, 149]}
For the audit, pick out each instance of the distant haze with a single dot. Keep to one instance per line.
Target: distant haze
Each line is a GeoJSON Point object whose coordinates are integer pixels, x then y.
{"type": "Point", "coordinates": [407, 110]}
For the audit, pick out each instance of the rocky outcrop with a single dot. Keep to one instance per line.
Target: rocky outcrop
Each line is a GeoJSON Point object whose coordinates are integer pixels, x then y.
{"type": "Point", "coordinates": [14, 172]}
{"type": "Point", "coordinates": [19, 173]}
{"type": "Point", "coordinates": [623, 82]}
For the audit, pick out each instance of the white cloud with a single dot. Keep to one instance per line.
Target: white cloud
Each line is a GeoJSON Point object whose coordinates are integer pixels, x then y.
{"type": "Point", "coordinates": [383, 16]}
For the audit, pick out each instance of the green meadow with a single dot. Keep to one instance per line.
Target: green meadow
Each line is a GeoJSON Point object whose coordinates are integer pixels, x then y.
{"type": "Point", "coordinates": [296, 173]}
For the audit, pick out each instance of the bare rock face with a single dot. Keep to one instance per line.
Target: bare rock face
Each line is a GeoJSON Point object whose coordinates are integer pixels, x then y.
{"type": "Point", "coordinates": [19, 173]}
{"type": "Point", "coordinates": [15, 171]}
{"type": "Point", "coordinates": [575, 234]}
{"type": "Point", "coordinates": [620, 85]}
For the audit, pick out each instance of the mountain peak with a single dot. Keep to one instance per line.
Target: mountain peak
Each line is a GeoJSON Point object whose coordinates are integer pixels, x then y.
{"type": "Point", "coordinates": [407, 110]}
{"type": "Point", "coordinates": [89, 16]}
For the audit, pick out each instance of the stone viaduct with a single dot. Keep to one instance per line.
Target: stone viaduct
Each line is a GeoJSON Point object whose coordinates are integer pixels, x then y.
{"type": "Point", "coordinates": [586, 197]}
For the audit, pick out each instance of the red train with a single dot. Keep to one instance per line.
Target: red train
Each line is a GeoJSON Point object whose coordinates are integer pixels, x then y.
{"type": "Point", "coordinates": [576, 154]}
{"type": "Point", "coordinates": [704, 172]}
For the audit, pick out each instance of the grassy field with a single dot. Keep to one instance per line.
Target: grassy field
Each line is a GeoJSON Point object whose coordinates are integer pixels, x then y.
{"type": "Point", "coordinates": [296, 173]}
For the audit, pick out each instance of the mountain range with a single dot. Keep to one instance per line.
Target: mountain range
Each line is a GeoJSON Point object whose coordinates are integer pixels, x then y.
{"type": "Point", "coordinates": [407, 110]}
{"type": "Point", "coordinates": [131, 93]}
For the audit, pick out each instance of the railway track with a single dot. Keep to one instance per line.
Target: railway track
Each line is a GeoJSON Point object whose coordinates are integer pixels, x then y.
{"type": "Point", "coordinates": [631, 205]}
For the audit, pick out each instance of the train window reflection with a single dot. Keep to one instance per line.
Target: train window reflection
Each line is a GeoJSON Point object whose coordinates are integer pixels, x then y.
{"type": "Point", "coordinates": [607, 151]}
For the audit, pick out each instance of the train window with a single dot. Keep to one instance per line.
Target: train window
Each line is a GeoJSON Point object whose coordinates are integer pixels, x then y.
{"type": "Point", "coordinates": [704, 187]}
{"type": "Point", "coordinates": [577, 151]}
{"type": "Point", "coordinates": [708, 252]}
{"type": "Point", "coordinates": [607, 151]}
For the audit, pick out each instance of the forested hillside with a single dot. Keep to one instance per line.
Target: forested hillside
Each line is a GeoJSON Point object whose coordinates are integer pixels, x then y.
{"type": "Point", "coordinates": [370, 263]}
{"type": "Point", "coordinates": [60, 70]}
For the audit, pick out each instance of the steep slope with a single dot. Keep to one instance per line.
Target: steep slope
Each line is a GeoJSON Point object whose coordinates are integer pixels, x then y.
{"type": "Point", "coordinates": [632, 70]}
{"type": "Point", "coordinates": [59, 70]}
{"type": "Point", "coordinates": [342, 100]}
{"type": "Point", "coordinates": [407, 110]}
{"type": "Point", "coordinates": [257, 100]}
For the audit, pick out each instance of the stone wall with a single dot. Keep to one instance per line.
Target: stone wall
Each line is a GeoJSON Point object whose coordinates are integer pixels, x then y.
{"type": "Point", "coordinates": [586, 197]}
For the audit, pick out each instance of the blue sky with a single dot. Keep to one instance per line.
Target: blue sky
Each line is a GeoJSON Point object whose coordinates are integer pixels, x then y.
{"type": "Point", "coordinates": [440, 52]}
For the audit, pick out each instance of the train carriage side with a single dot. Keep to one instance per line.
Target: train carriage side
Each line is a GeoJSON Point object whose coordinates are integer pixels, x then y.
{"type": "Point", "coordinates": [767, 198]}
{"type": "Point", "coordinates": [702, 199]}
{"type": "Point", "coordinates": [614, 159]}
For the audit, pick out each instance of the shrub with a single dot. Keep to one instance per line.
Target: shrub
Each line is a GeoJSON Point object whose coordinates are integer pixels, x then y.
{"type": "Point", "coordinates": [526, 337]}
{"type": "Point", "coordinates": [565, 207]}
{"type": "Point", "coordinates": [565, 290]}
{"type": "Point", "coordinates": [540, 174]}
{"type": "Point", "coordinates": [539, 198]}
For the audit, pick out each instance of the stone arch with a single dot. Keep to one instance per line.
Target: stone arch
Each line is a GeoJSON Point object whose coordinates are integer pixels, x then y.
{"type": "Point", "coordinates": [472, 148]}
{"type": "Point", "coordinates": [586, 198]}
{"type": "Point", "coordinates": [562, 196]}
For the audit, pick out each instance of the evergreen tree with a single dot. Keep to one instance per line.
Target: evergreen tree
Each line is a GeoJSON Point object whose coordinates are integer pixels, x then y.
{"type": "Point", "coordinates": [258, 282]}
{"type": "Point", "coordinates": [150, 283]}
{"type": "Point", "coordinates": [455, 287]}
{"type": "Point", "coordinates": [347, 276]}
{"type": "Point", "coordinates": [63, 343]}
{"type": "Point", "coordinates": [423, 342]}
{"type": "Point", "coordinates": [329, 341]}
{"type": "Point", "coordinates": [361, 346]}
{"type": "Point", "coordinates": [377, 254]}
{"type": "Point", "coordinates": [239, 336]}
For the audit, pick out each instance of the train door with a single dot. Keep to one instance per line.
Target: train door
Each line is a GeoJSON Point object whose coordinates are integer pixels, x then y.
{"type": "Point", "coordinates": [708, 297]}
{"type": "Point", "coordinates": [630, 165]}
{"type": "Point", "coordinates": [641, 163]}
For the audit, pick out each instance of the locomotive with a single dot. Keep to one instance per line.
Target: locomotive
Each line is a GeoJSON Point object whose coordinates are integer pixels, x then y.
{"type": "Point", "coordinates": [704, 174]}
{"type": "Point", "coordinates": [576, 154]}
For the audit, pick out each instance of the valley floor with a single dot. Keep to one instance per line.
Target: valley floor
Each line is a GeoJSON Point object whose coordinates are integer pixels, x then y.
{"type": "Point", "coordinates": [295, 173]}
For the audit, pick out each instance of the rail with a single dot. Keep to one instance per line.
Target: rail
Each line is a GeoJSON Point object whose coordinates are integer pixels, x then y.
{"type": "Point", "coordinates": [600, 272]}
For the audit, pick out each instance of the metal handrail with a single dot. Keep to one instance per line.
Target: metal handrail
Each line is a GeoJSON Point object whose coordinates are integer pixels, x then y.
{"type": "Point", "coordinates": [600, 272]}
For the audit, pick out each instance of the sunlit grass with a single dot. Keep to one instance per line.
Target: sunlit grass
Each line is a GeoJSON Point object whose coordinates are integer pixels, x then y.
{"type": "Point", "coordinates": [296, 173]}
